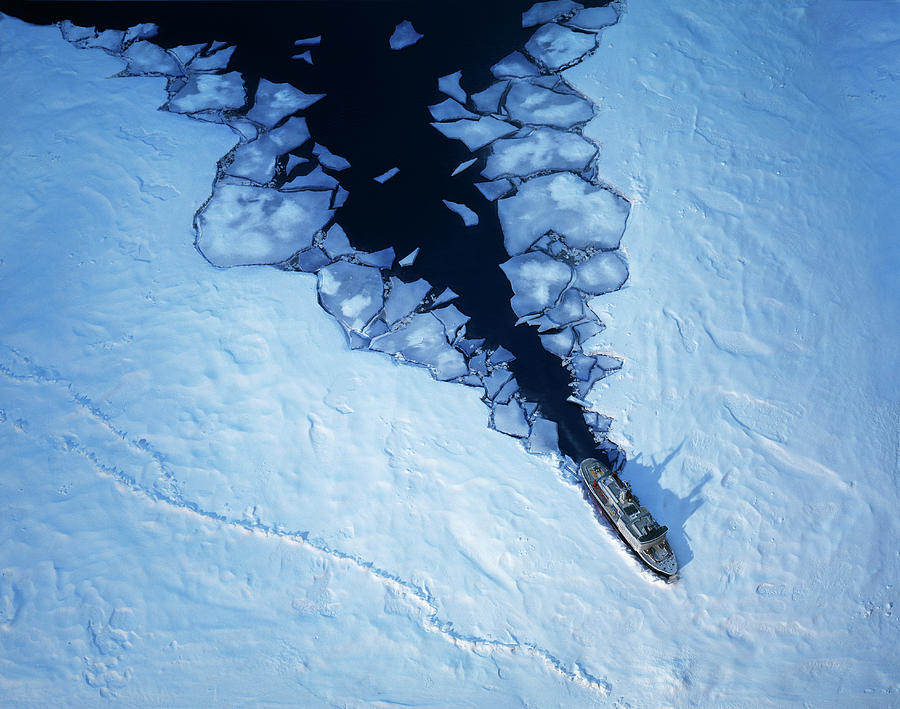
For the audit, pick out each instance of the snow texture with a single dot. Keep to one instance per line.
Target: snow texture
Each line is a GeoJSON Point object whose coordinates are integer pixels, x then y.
{"type": "Point", "coordinates": [404, 36]}
{"type": "Point", "coordinates": [256, 160]}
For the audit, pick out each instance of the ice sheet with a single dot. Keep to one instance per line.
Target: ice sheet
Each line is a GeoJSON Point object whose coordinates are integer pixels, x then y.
{"type": "Point", "coordinates": [557, 47]}
{"type": "Point", "coordinates": [469, 217]}
{"type": "Point", "coordinates": [353, 294]}
{"type": "Point", "coordinates": [543, 150]}
{"type": "Point", "coordinates": [537, 281]}
{"type": "Point", "coordinates": [532, 104]}
{"type": "Point", "coordinates": [476, 134]}
{"type": "Point", "coordinates": [251, 225]}
{"type": "Point", "coordinates": [404, 35]}
{"type": "Point", "coordinates": [209, 91]}
{"type": "Point", "coordinates": [275, 101]}
{"type": "Point", "coordinates": [584, 214]}
{"type": "Point", "coordinates": [488, 101]}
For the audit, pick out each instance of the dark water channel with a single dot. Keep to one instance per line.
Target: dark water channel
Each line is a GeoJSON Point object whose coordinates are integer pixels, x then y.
{"type": "Point", "coordinates": [375, 115]}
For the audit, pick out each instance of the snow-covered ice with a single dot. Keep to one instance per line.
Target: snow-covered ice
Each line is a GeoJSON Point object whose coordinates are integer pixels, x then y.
{"type": "Point", "coordinates": [274, 102]}
{"type": "Point", "coordinates": [544, 149]}
{"type": "Point", "coordinates": [404, 36]}
{"type": "Point", "coordinates": [249, 225]}
{"type": "Point", "coordinates": [256, 160]}
{"type": "Point", "coordinates": [528, 102]}
{"type": "Point", "coordinates": [209, 91]}
{"type": "Point", "coordinates": [468, 216]}
{"type": "Point", "coordinates": [547, 11]}
{"type": "Point", "coordinates": [537, 281]}
{"type": "Point", "coordinates": [556, 47]}
{"type": "Point", "coordinates": [352, 293]}
{"type": "Point", "coordinates": [478, 133]}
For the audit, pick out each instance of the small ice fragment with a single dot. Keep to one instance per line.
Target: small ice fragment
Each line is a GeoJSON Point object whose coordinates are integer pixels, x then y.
{"type": "Point", "coordinates": [469, 217]}
{"type": "Point", "coordinates": [186, 52]}
{"type": "Point", "coordinates": [340, 196]}
{"type": "Point", "coordinates": [209, 92]}
{"type": "Point", "coordinates": [584, 214]}
{"type": "Point", "coordinates": [501, 355]}
{"type": "Point", "coordinates": [450, 85]}
{"type": "Point", "coordinates": [404, 36]}
{"type": "Point", "coordinates": [147, 58]}
{"type": "Point", "coordinates": [453, 321]}
{"type": "Point", "coordinates": [542, 12]}
{"type": "Point", "coordinates": [275, 101]}
{"type": "Point", "coordinates": [450, 109]}
{"type": "Point", "coordinates": [469, 346]}
{"type": "Point", "coordinates": [476, 134]}
{"type": "Point", "coordinates": [385, 176]}
{"type": "Point", "coordinates": [488, 101]}
{"type": "Point", "coordinates": [601, 273]}
{"type": "Point", "coordinates": [75, 33]}
{"type": "Point", "coordinates": [216, 45]}
{"type": "Point", "coordinates": [559, 343]}
{"type": "Point", "coordinates": [243, 225]}
{"type": "Point", "coordinates": [410, 258]}
{"type": "Point", "coordinates": [530, 103]}
{"type": "Point", "coordinates": [336, 242]}
{"type": "Point", "coordinates": [145, 30]}
{"type": "Point", "coordinates": [423, 341]}
{"type": "Point", "coordinates": [304, 56]}
{"type": "Point", "coordinates": [353, 294]}
{"type": "Point", "coordinates": [293, 161]}
{"type": "Point", "coordinates": [544, 436]}
{"type": "Point", "coordinates": [316, 179]}
{"type": "Point", "coordinates": [556, 47]}
{"type": "Point", "coordinates": [463, 166]}
{"type": "Point", "coordinates": [537, 281]}
{"type": "Point", "coordinates": [510, 419]}
{"type": "Point", "coordinates": [404, 298]}
{"type": "Point", "coordinates": [595, 18]}
{"type": "Point", "coordinates": [494, 189]}
{"type": "Point", "coordinates": [445, 297]}
{"type": "Point", "coordinates": [542, 150]}
{"type": "Point", "coordinates": [514, 65]}
{"type": "Point", "coordinates": [212, 62]}
{"type": "Point", "coordinates": [311, 260]}
{"type": "Point", "coordinates": [329, 159]}
{"type": "Point", "coordinates": [379, 259]}
{"type": "Point", "coordinates": [308, 41]}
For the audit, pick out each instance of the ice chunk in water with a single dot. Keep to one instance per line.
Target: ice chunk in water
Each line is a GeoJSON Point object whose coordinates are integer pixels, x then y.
{"type": "Point", "coordinates": [495, 189]}
{"type": "Point", "coordinates": [476, 134]}
{"type": "Point", "coordinates": [501, 355]}
{"type": "Point", "coordinates": [424, 341]}
{"type": "Point", "coordinates": [488, 101]}
{"type": "Point", "coordinates": [336, 242]}
{"type": "Point", "coordinates": [469, 217]}
{"type": "Point", "coordinates": [353, 294]}
{"type": "Point", "coordinates": [510, 419]}
{"type": "Point", "coordinates": [275, 101]}
{"type": "Point", "coordinates": [515, 65]}
{"type": "Point", "coordinates": [506, 393]}
{"type": "Point", "coordinates": [145, 30]}
{"type": "Point", "coordinates": [463, 166]}
{"type": "Point", "coordinates": [293, 161]}
{"type": "Point", "coordinates": [108, 39]}
{"type": "Point", "coordinates": [186, 52]}
{"type": "Point", "coordinates": [542, 12]}
{"type": "Point", "coordinates": [449, 110]}
{"type": "Point", "coordinates": [530, 103]}
{"type": "Point", "coordinates": [379, 259]}
{"type": "Point", "coordinates": [537, 281]}
{"type": "Point", "coordinates": [410, 258]}
{"type": "Point", "coordinates": [544, 436]}
{"type": "Point", "coordinates": [209, 91]}
{"type": "Point", "coordinates": [304, 56]}
{"type": "Point", "coordinates": [445, 297]}
{"type": "Point", "coordinates": [308, 41]}
{"type": "Point", "coordinates": [385, 176]}
{"type": "Point", "coordinates": [316, 179]}
{"type": "Point", "coordinates": [544, 149]}
{"type": "Point", "coordinates": [595, 18]}
{"type": "Point", "coordinates": [216, 61]}
{"type": "Point", "coordinates": [243, 225]}
{"type": "Point", "coordinates": [450, 85]}
{"type": "Point", "coordinates": [556, 47]}
{"type": "Point", "coordinates": [495, 381]}
{"type": "Point", "coordinates": [404, 35]}
{"type": "Point", "coordinates": [311, 260]}
{"type": "Point", "coordinates": [147, 58]}
{"type": "Point", "coordinates": [586, 215]}
{"type": "Point", "coordinates": [404, 298]}
{"type": "Point", "coordinates": [256, 160]}
{"type": "Point", "coordinates": [469, 346]}
{"type": "Point", "coordinates": [453, 321]}
{"type": "Point", "coordinates": [75, 33]}
{"type": "Point", "coordinates": [329, 159]}
{"type": "Point", "coordinates": [601, 273]}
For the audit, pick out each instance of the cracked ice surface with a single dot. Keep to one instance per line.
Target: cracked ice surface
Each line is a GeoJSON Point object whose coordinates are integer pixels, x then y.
{"type": "Point", "coordinates": [543, 150]}
{"type": "Point", "coordinates": [424, 341]}
{"type": "Point", "coordinates": [256, 160]}
{"type": "Point", "coordinates": [478, 133]}
{"type": "Point", "coordinates": [209, 92]}
{"type": "Point", "coordinates": [556, 47]}
{"type": "Point", "coordinates": [584, 214]}
{"type": "Point", "coordinates": [537, 281]}
{"type": "Point", "coordinates": [530, 103]}
{"type": "Point", "coordinates": [353, 294]}
{"type": "Point", "coordinates": [542, 12]}
{"type": "Point", "coordinates": [245, 225]}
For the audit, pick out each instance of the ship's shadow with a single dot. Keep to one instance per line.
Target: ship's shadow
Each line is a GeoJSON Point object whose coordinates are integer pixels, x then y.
{"type": "Point", "coordinates": [644, 473]}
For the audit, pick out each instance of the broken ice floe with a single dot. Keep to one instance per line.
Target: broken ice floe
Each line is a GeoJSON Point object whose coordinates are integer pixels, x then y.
{"type": "Point", "coordinates": [214, 92]}
{"type": "Point", "coordinates": [529, 103]}
{"type": "Point", "coordinates": [404, 36]}
{"type": "Point", "coordinates": [476, 134]}
{"type": "Point", "coordinates": [149, 59]}
{"type": "Point", "coordinates": [424, 341]}
{"type": "Point", "coordinates": [542, 12]}
{"type": "Point", "coordinates": [463, 166]}
{"type": "Point", "coordinates": [244, 225]}
{"type": "Point", "coordinates": [495, 189]}
{"type": "Point", "coordinates": [304, 56]}
{"type": "Point", "coordinates": [542, 150]}
{"type": "Point", "coordinates": [273, 102]}
{"type": "Point", "coordinates": [537, 281]}
{"type": "Point", "coordinates": [594, 18]}
{"type": "Point", "coordinates": [410, 258]}
{"type": "Point", "coordinates": [387, 175]}
{"type": "Point", "coordinates": [404, 298]}
{"type": "Point", "coordinates": [469, 217]}
{"type": "Point", "coordinates": [255, 160]}
{"type": "Point", "coordinates": [308, 41]}
{"type": "Point", "coordinates": [557, 47]}
{"type": "Point", "coordinates": [601, 273]}
{"type": "Point", "coordinates": [515, 65]}
{"type": "Point", "coordinates": [450, 109]}
{"type": "Point", "coordinates": [488, 101]}
{"type": "Point", "coordinates": [450, 85]}
{"type": "Point", "coordinates": [329, 159]}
